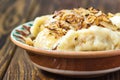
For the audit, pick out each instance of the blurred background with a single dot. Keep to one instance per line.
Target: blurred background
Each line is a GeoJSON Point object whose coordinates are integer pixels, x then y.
{"type": "Point", "coordinates": [15, 12]}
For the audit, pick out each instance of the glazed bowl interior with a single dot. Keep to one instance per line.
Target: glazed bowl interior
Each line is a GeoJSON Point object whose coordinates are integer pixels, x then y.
{"type": "Point", "coordinates": [16, 38]}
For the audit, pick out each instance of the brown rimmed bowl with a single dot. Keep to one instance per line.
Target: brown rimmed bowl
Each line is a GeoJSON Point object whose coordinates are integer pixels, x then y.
{"type": "Point", "coordinates": [70, 63]}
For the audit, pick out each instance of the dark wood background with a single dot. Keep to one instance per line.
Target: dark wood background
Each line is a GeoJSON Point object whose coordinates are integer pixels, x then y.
{"type": "Point", "coordinates": [14, 63]}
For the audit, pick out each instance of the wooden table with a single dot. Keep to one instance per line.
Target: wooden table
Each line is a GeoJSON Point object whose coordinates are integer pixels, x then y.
{"type": "Point", "coordinates": [14, 62]}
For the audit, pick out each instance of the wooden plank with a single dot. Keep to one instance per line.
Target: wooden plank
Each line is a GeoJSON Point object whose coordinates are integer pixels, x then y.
{"type": "Point", "coordinates": [5, 56]}
{"type": "Point", "coordinates": [10, 16]}
{"type": "Point", "coordinates": [20, 68]}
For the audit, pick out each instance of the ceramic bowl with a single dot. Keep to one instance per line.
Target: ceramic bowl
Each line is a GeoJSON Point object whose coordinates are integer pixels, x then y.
{"type": "Point", "coordinates": [70, 63]}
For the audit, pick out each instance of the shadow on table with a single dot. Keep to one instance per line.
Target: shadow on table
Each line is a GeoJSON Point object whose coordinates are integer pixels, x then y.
{"type": "Point", "coordinates": [111, 76]}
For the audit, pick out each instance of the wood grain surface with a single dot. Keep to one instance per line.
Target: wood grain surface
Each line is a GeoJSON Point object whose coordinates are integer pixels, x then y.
{"type": "Point", "coordinates": [21, 68]}
{"type": "Point", "coordinates": [10, 16]}
{"type": "Point", "coordinates": [14, 63]}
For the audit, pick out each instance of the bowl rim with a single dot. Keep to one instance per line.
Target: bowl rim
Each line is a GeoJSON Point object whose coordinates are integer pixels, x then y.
{"type": "Point", "coordinates": [64, 54]}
